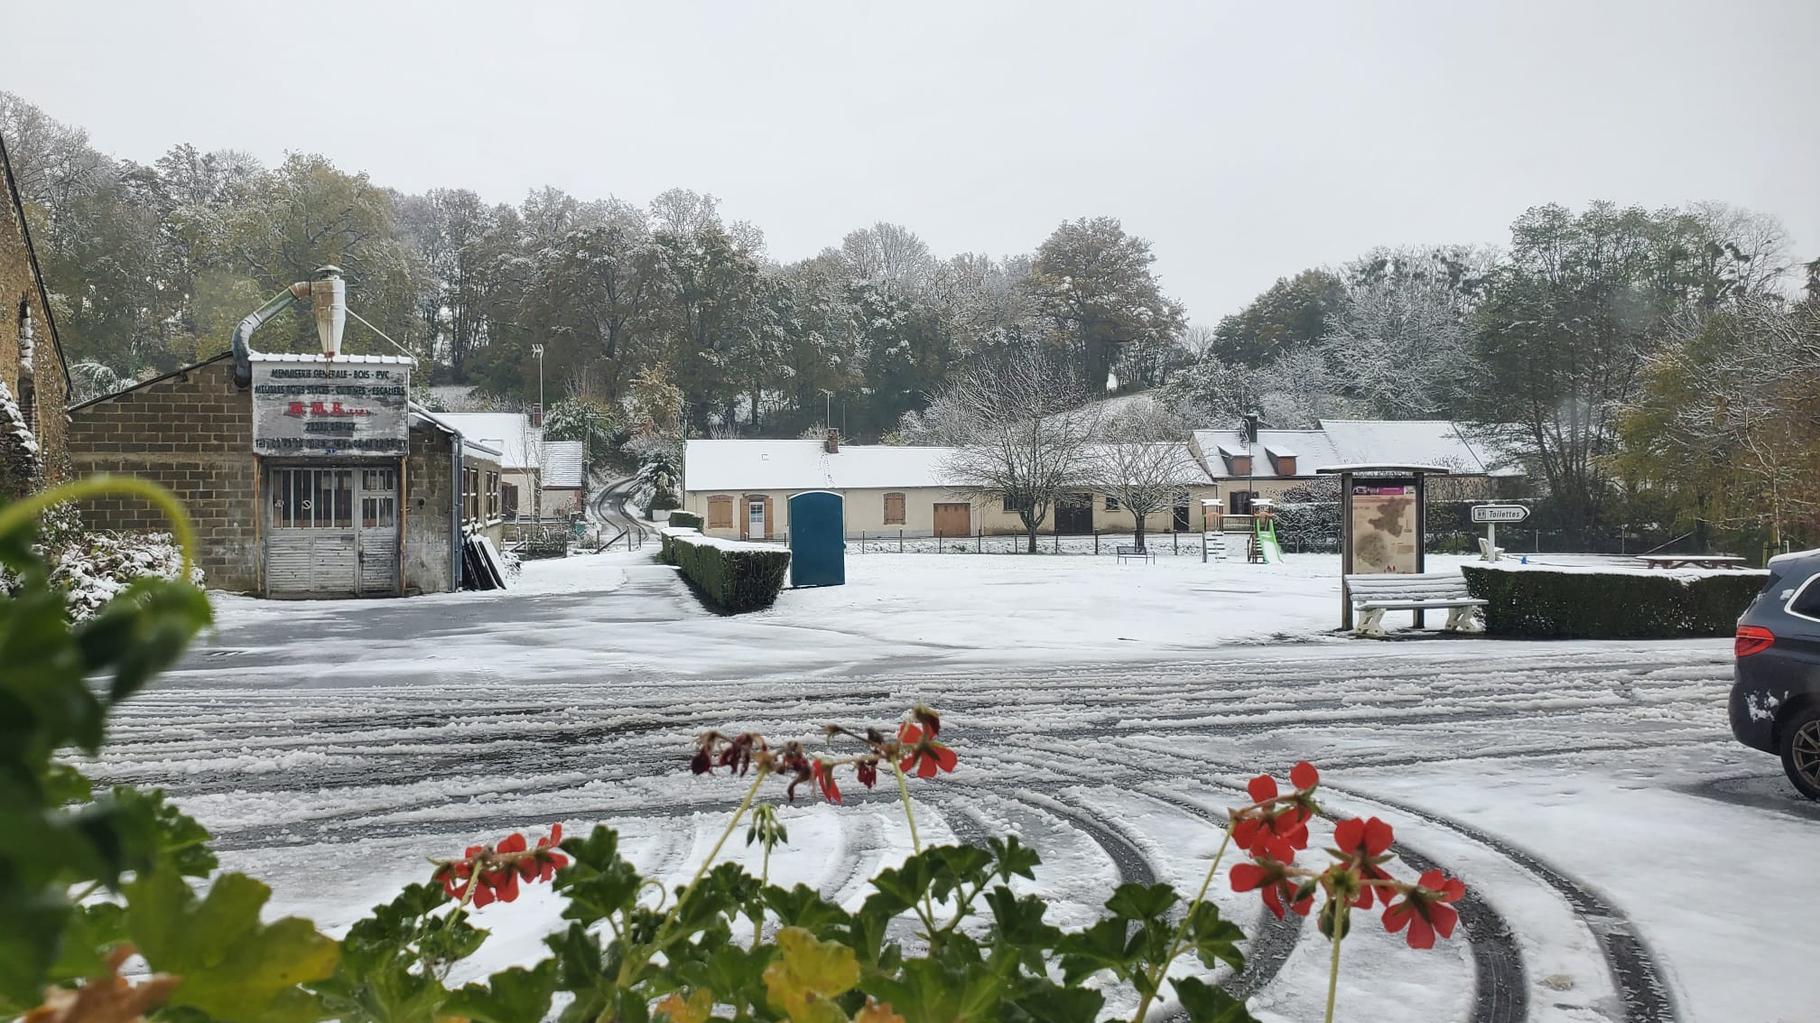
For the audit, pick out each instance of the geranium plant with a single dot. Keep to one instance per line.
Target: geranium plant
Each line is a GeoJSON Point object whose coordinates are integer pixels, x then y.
{"type": "Point", "coordinates": [945, 936]}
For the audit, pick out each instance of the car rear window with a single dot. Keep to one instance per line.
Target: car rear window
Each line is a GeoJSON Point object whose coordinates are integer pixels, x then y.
{"type": "Point", "coordinates": [1807, 599]}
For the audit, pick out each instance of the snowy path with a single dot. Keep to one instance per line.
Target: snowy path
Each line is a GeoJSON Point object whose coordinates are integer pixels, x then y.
{"type": "Point", "coordinates": [1589, 793]}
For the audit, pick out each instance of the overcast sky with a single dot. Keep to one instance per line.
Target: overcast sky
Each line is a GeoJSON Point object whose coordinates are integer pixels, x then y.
{"type": "Point", "coordinates": [1246, 141]}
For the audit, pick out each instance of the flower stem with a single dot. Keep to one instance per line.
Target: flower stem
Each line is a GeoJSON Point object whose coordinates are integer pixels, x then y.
{"type": "Point", "coordinates": [903, 792]}
{"type": "Point", "coordinates": [1333, 969]}
{"type": "Point", "coordinates": [1181, 930]}
{"type": "Point", "coordinates": [927, 912]}
{"type": "Point", "coordinates": [637, 958]}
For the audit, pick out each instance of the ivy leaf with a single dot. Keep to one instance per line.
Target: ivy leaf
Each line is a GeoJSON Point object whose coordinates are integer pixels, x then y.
{"type": "Point", "coordinates": [1205, 1003]}
{"type": "Point", "coordinates": [233, 966]}
{"type": "Point", "coordinates": [510, 996]}
{"type": "Point", "coordinates": [808, 972]}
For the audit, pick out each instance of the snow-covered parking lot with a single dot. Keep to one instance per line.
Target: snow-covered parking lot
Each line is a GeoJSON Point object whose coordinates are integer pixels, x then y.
{"type": "Point", "coordinates": [1626, 861]}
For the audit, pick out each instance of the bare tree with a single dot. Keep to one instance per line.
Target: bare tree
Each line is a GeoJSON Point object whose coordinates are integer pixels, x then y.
{"type": "Point", "coordinates": [1022, 431]}
{"type": "Point", "coordinates": [1142, 461]}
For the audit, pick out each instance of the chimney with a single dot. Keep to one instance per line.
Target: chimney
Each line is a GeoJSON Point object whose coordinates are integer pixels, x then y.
{"type": "Point", "coordinates": [537, 416]}
{"type": "Point", "coordinates": [832, 444]}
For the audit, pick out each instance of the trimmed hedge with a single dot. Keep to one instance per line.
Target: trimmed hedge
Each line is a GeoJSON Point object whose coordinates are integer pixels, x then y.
{"type": "Point", "coordinates": [736, 576]}
{"type": "Point", "coordinates": [1539, 603]}
{"type": "Point", "coordinates": [686, 519]}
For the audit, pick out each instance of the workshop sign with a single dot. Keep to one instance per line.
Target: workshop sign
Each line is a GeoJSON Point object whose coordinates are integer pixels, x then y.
{"type": "Point", "coordinates": [316, 409]}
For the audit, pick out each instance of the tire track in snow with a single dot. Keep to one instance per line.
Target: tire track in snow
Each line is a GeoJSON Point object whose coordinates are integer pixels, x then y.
{"type": "Point", "coordinates": [1642, 988]}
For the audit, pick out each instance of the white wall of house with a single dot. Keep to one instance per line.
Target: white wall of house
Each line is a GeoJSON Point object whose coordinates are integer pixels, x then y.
{"type": "Point", "coordinates": [866, 512]}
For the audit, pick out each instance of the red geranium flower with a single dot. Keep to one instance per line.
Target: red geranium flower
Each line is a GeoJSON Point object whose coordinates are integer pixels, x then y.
{"type": "Point", "coordinates": [1425, 909]}
{"type": "Point", "coordinates": [1287, 821]}
{"type": "Point", "coordinates": [492, 873]}
{"type": "Point", "coordinates": [1362, 844]}
{"type": "Point", "coordinates": [544, 861]}
{"type": "Point", "coordinates": [926, 756]}
{"type": "Point", "coordinates": [868, 773]}
{"type": "Point", "coordinates": [1304, 777]}
{"type": "Point", "coordinates": [1269, 874]}
{"type": "Point", "coordinates": [824, 777]}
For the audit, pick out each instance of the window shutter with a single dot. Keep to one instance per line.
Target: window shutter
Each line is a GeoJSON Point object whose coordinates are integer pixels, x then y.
{"type": "Point", "coordinates": [894, 509]}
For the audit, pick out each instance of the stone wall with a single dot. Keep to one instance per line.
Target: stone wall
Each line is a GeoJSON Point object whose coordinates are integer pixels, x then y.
{"type": "Point", "coordinates": [429, 482]}
{"type": "Point", "coordinates": [191, 432]}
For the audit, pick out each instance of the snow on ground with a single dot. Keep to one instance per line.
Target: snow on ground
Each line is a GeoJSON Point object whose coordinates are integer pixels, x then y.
{"type": "Point", "coordinates": [1626, 859]}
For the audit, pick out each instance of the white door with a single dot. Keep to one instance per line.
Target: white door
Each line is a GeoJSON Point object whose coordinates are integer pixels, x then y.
{"type": "Point", "coordinates": [755, 519]}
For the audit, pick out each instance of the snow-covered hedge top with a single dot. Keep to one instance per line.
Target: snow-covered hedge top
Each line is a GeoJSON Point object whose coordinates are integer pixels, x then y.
{"type": "Point", "coordinates": [695, 538]}
{"type": "Point", "coordinates": [1665, 573]}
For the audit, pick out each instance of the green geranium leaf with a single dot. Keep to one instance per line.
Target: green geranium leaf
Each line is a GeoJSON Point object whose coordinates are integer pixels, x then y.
{"type": "Point", "coordinates": [1011, 858]}
{"type": "Point", "coordinates": [514, 995]}
{"type": "Point", "coordinates": [1215, 940]}
{"type": "Point", "coordinates": [1205, 1003]}
{"type": "Point", "coordinates": [1141, 902]}
{"type": "Point", "coordinates": [806, 972]}
{"type": "Point", "coordinates": [234, 967]}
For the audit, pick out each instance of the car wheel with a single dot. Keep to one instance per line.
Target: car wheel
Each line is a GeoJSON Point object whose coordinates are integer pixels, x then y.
{"type": "Point", "coordinates": [1801, 751]}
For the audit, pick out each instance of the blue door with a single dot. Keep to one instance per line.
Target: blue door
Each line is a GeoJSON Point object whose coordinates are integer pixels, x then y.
{"type": "Point", "coordinates": [818, 539]}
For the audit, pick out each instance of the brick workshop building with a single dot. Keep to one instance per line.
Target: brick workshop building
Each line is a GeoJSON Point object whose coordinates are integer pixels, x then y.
{"type": "Point", "coordinates": [377, 502]}
{"type": "Point", "coordinates": [34, 382]}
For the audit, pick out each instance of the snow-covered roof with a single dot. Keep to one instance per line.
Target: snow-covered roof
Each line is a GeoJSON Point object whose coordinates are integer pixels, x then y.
{"type": "Point", "coordinates": [1308, 447]}
{"type": "Point", "coordinates": [562, 463]}
{"type": "Point", "coordinates": [1457, 447]}
{"type": "Point", "coordinates": [510, 433]}
{"type": "Point", "coordinates": [1407, 442]}
{"type": "Point", "coordinates": [806, 465]}
{"type": "Point", "coordinates": [356, 360]}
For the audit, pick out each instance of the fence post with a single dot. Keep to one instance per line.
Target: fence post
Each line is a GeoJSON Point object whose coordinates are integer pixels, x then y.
{"type": "Point", "coordinates": [1175, 539]}
{"type": "Point", "coordinates": [900, 541]}
{"type": "Point", "coordinates": [1096, 543]}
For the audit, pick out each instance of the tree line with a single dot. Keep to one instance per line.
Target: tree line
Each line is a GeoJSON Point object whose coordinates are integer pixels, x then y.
{"type": "Point", "coordinates": [152, 264]}
{"type": "Point", "coordinates": [1655, 368]}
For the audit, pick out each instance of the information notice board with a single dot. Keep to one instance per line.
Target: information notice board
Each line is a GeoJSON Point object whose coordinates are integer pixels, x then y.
{"type": "Point", "coordinates": [318, 409]}
{"type": "Point", "coordinates": [1384, 528]}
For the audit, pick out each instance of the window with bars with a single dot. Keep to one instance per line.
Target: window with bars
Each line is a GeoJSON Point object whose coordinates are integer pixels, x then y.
{"type": "Point", "coordinates": [313, 498]}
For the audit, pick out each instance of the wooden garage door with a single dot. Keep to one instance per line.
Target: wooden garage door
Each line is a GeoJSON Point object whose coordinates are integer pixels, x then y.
{"type": "Point", "coordinates": [952, 520]}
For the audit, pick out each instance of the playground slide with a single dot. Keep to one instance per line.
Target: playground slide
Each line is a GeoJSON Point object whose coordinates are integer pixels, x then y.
{"type": "Point", "coordinates": [1272, 551]}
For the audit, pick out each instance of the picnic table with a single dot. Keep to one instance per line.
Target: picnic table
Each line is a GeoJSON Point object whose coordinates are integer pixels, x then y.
{"type": "Point", "coordinates": [1691, 560]}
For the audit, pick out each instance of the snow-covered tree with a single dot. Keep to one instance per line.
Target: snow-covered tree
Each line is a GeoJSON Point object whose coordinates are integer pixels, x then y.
{"type": "Point", "coordinates": [1142, 461]}
{"type": "Point", "coordinates": [1023, 431]}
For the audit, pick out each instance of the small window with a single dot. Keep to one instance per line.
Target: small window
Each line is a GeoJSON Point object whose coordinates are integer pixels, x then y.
{"type": "Point", "coordinates": [720, 512]}
{"type": "Point", "coordinates": [1806, 602]}
{"type": "Point", "coordinates": [1014, 505]}
{"type": "Point", "coordinates": [508, 500]}
{"type": "Point", "coordinates": [894, 509]}
{"type": "Point", "coordinates": [1112, 503]}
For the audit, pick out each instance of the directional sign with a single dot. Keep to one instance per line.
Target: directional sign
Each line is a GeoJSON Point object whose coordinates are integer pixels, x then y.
{"type": "Point", "coordinates": [1499, 513]}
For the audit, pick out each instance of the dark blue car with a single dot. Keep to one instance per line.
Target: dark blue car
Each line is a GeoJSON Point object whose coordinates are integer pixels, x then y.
{"type": "Point", "coordinates": [1775, 704]}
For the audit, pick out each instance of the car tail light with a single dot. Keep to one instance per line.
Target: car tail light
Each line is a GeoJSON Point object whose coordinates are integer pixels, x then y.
{"type": "Point", "coordinates": [1753, 639]}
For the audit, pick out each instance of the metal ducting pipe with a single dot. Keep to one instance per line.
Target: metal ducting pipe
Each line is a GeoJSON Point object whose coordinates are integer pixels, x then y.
{"type": "Point", "coordinates": [243, 364]}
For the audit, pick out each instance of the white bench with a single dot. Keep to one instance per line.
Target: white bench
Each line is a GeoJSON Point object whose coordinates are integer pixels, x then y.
{"type": "Point", "coordinates": [1372, 595]}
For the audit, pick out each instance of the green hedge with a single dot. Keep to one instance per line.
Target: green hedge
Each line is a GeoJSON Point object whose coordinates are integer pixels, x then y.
{"type": "Point", "coordinates": [1538, 603]}
{"type": "Point", "coordinates": [743, 578]}
{"type": "Point", "coordinates": [683, 518]}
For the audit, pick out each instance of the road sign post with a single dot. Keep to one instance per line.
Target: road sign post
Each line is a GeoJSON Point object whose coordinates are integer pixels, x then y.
{"type": "Point", "coordinates": [1491, 515]}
